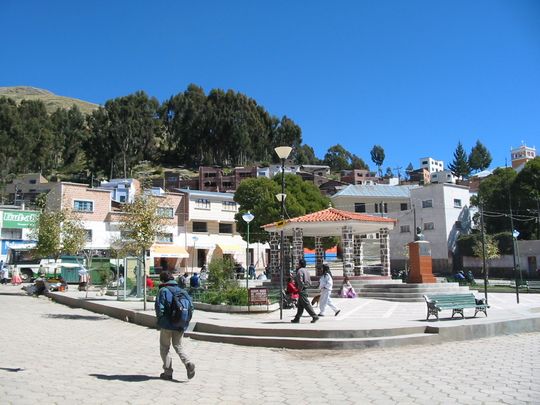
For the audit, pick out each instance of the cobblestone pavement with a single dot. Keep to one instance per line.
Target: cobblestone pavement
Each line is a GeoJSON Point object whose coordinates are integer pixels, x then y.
{"type": "Point", "coordinates": [56, 354]}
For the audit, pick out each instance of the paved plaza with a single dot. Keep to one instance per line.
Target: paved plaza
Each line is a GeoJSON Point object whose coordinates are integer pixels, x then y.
{"type": "Point", "coordinates": [56, 354]}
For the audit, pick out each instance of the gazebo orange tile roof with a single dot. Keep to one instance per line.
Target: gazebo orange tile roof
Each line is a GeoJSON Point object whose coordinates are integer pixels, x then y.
{"type": "Point", "coordinates": [330, 220]}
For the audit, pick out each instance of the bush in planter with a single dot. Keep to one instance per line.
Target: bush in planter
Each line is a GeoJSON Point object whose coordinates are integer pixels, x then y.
{"type": "Point", "coordinates": [221, 274]}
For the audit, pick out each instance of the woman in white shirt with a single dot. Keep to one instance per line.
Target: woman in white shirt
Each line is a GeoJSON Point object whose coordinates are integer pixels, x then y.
{"type": "Point", "coordinates": [325, 285]}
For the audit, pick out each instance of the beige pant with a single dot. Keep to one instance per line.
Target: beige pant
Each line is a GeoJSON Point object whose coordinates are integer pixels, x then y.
{"type": "Point", "coordinates": [166, 337]}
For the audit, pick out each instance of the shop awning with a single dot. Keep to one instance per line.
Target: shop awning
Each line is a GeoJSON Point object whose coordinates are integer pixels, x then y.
{"type": "Point", "coordinates": [230, 249]}
{"type": "Point", "coordinates": [169, 251]}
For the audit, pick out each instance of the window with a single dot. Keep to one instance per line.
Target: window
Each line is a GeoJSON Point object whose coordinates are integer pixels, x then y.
{"type": "Point", "coordinates": [33, 181]}
{"type": "Point", "coordinates": [359, 207]}
{"type": "Point", "coordinates": [404, 228]}
{"type": "Point", "coordinates": [164, 237]}
{"type": "Point", "coordinates": [8, 233]}
{"type": "Point", "coordinates": [403, 206]}
{"type": "Point", "coordinates": [125, 235]}
{"type": "Point", "coordinates": [88, 235]}
{"type": "Point", "coordinates": [457, 203]}
{"type": "Point", "coordinates": [202, 203]}
{"type": "Point", "coordinates": [427, 203]}
{"type": "Point", "coordinates": [200, 227]}
{"type": "Point", "coordinates": [165, 212]}
{"type": "Point", "coordinates": [429, 226]}
{"type": "Point", "coordinates": [228, 206]}
{"type": "Point", "coordinates": [226, 228]}
{"type": "Point", "coordinates": [381, 207]}
{"type": "Point", "coordinates": [83, 206]}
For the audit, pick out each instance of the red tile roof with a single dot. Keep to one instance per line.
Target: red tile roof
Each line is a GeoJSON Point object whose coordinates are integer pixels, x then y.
{"type": "Point", "coordinates": [335, 215]}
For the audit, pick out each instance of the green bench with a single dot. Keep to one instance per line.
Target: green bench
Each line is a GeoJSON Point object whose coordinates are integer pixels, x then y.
{"type": "Point", "coordinates": [533, 285]}
{"type": "Point", "coordinates": [455, 302]}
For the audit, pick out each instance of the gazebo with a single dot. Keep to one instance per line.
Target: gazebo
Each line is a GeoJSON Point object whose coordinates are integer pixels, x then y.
{"type": "Point", "coordinates": [351, 227]}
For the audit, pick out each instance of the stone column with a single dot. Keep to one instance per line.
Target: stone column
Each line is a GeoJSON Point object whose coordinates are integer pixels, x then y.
{"type": "Point", "coordinates": [297, 247]}
{"type": "Point", "coordinates": [274, 264]}
{"type": "Point", "coordinates": [286, 257]}
{"type": "Point", "coordinates": [358, 255]}
{"type": "Point", "coordinates": [347, 244]}
{"type": "Point", "coordinates": [319, 255]}
{"type": "Point", "coordinates": [385, 250]}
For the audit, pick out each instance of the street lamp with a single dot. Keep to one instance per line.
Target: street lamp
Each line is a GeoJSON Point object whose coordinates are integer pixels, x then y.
{"type": "Point", "coordinates": [283, 153]}
{"type": "Point", "coordinates": [248, 217]}
{"type": "Point", "coordinates": [195, 239]}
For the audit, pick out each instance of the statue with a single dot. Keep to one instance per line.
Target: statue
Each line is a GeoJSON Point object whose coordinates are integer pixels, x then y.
{"type": "Point", "coordinates": [419, 235]}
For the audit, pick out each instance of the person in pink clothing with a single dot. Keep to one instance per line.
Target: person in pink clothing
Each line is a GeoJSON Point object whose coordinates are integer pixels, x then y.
{"type": "Point", "coordinates": [16, 277]}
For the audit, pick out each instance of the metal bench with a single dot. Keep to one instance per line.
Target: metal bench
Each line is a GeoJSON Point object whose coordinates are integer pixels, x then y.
{"type": "Point", "coordinates": [533, 285]}
{"type": "Point", "coordinates": [456, 302]}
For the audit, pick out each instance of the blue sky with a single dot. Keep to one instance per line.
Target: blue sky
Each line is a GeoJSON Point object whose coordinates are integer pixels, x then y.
{"type": "Point", "coordinates": [415, 77]}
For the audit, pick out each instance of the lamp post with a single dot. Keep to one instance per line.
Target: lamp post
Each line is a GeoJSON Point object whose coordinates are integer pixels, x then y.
{"type": "Point", "coordinates": [248, 217]}
{"type": "Point", "coordinates": [283, 153]}
{"type": "Point", "coordinates": [195, 239]}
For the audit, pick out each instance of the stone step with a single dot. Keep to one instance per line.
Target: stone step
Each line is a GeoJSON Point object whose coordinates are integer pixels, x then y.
{"type": "Point", "coordinates": [299, 332]}
{"type": "Point", "coordinates": [302, 342]}
{"type": "Point", "coordinates": [415, 290]}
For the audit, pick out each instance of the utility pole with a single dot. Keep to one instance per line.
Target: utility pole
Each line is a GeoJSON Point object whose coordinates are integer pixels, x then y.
{"type": "Point", "coordinates": [484, 267]}
{"type": "Point", "coordinates": [513, 245]}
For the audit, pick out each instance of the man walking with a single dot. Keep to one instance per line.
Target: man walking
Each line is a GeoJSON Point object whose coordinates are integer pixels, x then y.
{"type": "Point", "coordinates": [168, 333]}
{"type": "Point", "coordinates": [303, 281]}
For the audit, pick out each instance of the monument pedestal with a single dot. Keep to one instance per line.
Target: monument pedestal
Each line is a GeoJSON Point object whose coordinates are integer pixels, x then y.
{"type": "Point", "coordinates": [421, 270]}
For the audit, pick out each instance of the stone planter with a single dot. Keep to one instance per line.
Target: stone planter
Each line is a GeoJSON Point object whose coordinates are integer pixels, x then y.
{"type": "Point", "coordinates": [236, 308]}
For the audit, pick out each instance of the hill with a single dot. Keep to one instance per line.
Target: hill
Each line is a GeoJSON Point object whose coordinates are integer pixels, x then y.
{"type": "Point", "coordinates": [51, 100]}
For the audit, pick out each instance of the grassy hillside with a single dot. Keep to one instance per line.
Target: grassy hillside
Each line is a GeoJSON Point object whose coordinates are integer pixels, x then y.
{"type": "Point", "coordinates": [51, 100]}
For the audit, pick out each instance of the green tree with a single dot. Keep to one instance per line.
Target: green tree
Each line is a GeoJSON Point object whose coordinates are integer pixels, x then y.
{"type": "Point", "coordinates": [494, 192]}
{"type": "Point", "coordinates": [258, 196]}
{"type": "Point", "coordinates": [123, 131]}
{"type": "Point", "coordinates": [59, 233]}
{"type": "Point", "coordinates": [70, 131]}
{"type": "Point", "coordinates": [389, 173]}
{"type": "Point", "coordinates": [479, 158]}
{"type": "Point", "coordinates": [460, 165]}
{"type": "Point", "coordinates": [358, 163]}
{"type": "Point", "coordinates": [337, 158]}
{"type": "Point", "coordinates": [377, 157]}
{"type": "Point", "coordinates": [305, 155]}
{"type": "Point", "coordinates": [526, 198]}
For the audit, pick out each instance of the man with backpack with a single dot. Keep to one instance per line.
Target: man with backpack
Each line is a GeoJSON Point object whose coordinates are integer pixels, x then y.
{"type": "Point", "coordinates": [173, 312]}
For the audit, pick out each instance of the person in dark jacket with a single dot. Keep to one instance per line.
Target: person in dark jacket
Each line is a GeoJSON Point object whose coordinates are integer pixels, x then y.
{"type": "Point", "coordinates": [168, 334]}
{"type": "Point", "coordinates": [303, 281]}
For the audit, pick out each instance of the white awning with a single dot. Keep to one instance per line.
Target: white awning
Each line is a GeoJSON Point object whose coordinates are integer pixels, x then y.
{"type": "Point", "coordinates": [230, 249]}
{"type": "Point", "coordinates": [169, 251]}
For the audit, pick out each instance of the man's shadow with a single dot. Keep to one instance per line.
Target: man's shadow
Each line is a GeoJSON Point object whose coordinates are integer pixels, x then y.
{"type": "Point", "coordinates": [128, 377]}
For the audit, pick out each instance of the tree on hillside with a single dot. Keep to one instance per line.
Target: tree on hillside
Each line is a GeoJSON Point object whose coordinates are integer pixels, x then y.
{"type": "Point", "coordinates": [70, 131]}
{"type": "Point", "coordinates": [337, 158]}
{"type": "Point", "coordinates": [377, 157]}
{"type": "Point", "coordinates": [460, 165]}
{"type": "Point", "coordinates": [123, 132]}
{"type": "Point", "coordinates": [479, 158]}
{"type": "Point", "coordinates": [225, 128]}
{"type": "Point", "coordinates": [305, 155]}
{"type": "Point", "coordinates": [358, 163]}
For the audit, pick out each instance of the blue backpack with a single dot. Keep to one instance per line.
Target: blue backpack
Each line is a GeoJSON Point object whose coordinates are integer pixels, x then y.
{"type": "Point", "coordinates": [181, 309]}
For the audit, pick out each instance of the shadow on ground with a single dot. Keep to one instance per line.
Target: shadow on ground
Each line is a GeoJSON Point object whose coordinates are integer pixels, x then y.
{"type": "Point", "coordinates": [11, 370]}
{"type": "Point", "coordinates": [126, 377]}
{"type": "Point", "coordinates": [77, 317]}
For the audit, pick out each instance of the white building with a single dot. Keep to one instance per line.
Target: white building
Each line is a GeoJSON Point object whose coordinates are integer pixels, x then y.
{"type": "Point", "coordinates": [443, 176]}
{"type": "Point", "coordinates": [211, 230]}
{"type": "Point", "coordinates": [441, 211]}
{"type": "Point", "coordinates": [431, 164]}
{"type": "Point", "coordinates": [122, 190]}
